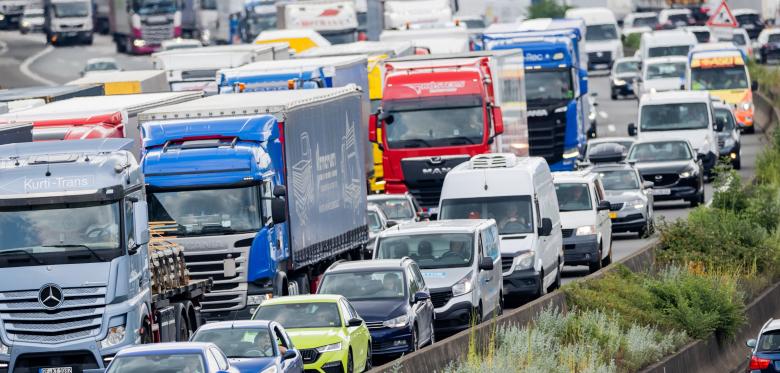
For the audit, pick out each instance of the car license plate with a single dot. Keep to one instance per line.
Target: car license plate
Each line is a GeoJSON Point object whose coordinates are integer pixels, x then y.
{"type": "Point", "coordinates": [56, 370]}
{"type": "Point", "coordinates": [662, 191]}
{"type": "Point", "coordinates": [71, 33]}
{"type": "Point", "coordinates": [613, 215]}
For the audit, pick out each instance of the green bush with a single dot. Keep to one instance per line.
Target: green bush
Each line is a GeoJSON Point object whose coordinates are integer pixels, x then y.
{"type": "Point", "coordinates": [547, 9]}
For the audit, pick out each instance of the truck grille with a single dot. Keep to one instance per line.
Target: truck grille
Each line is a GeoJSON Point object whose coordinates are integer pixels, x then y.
{"type": "Point", "coordinates": [155, 34]}
{"type": "Point", "coordinates": [424, 176]}
{"type": "Point", "coordinates": [440, 297]}
{"type": "Point", "coordinates": [79, 316]}
{"type": "Point", "coordinates": [546, 136]}
{"type": "Point", "coordinates": [427, 195]}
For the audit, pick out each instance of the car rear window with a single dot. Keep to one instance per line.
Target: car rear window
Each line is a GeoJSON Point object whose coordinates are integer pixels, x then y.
{"type": "Point", "coordinates": [770, 341]}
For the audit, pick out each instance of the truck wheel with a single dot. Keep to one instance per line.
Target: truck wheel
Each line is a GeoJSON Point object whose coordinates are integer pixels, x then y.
{"type": "Point", "coordinates": [89, 40]}
{"type": "Point", "coordinates": [302, 284]}
{"type": "Point", "coordinates": [182, 324]}
{"type": "Point", "coordinates": [146, 332]}
{"type": "Point", "coordinates": [280, 285]}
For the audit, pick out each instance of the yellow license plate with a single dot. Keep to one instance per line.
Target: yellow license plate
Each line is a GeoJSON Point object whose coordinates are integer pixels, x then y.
{"type": "Point", "coordinates": [613, 215]}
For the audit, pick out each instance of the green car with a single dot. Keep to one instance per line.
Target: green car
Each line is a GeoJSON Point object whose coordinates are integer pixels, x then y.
{"type": "Point", "coordinates": [326, 329]}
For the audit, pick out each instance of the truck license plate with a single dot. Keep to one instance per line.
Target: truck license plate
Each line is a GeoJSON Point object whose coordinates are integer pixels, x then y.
{"type": "Point", "coordinates": [662, 191]}
{"type": "Point", "coordinates": [56, 370]}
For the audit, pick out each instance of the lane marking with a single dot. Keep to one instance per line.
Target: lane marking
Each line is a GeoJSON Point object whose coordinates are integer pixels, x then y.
{"type": "Point", "coordinates": [25, 66]}
{"type": "Point", "coordinates": [3, 47]}
{"type": "Point", "coordinates": [611, 128]}
{"type": "Point", "coordinates": [603, 114]}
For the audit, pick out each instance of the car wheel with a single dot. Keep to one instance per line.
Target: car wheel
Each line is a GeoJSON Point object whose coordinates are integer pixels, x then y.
{"type": "Point", "coordinates": [595, 266]}
{"type": "Point", "coordinates": [542, 289]}
{"type": "Point", "coordinates": [415, 339]}
{"type": "Point", "coordinates": [369, 360]}
{"type": "Point", "coordinates": [614, 95]}
{"type": "Point", "coordinates": [608, 260]}
{"type": "Point", "coordinates": [350, 363]}
{"type": "Point", "coordinates": [433, 335]}
{"type": "Point", "coordinates": [500, 306]}
{"type": "Point", "coordinates": [557, 283]}
{"type": "Point", "coordinates": [737, 163]}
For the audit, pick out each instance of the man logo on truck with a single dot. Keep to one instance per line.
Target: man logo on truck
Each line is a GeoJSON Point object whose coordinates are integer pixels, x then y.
{"type": "Point", "coordinates": [50, 296]}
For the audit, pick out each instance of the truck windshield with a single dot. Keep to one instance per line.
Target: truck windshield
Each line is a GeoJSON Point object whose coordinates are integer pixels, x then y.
{"type": "Point", "coordinates": [601, 32]}
{"type": "Point", "coordinates": [255, 23]}
{"type": "Point", "coordinates": [548, 85]}
{"type": "Point", "coordinates": [432, 250]}
{"type": "Point", "coordinates": [301, 315]}
{"type": "Point", "coordinates": [670, 50]}
{"type": "Point", "coordinates": [158, 363]}
{"type": "Point", "coordinates": [670, 117]}
{"type": "Point", "coordinates": [208, 4]}
{"type": "Point", "coordinates": [364, 285]}
{"type": "Point", "coordinates": [208, 211]}
{"type": "Point", "coordinates": [60, 234]}
{"type": "Point", "coordinates": [733, 77]}
{"type": "Point", "coordinates": [513, 213]}
{"type": "Point", "coordinates": [152, 7]}
{"type": "Point", "coordinates": [74, 9]}
{"type": "Point", "coordinates": [434, 122]}
{"type": "Point", "coordinates": [573, 197]}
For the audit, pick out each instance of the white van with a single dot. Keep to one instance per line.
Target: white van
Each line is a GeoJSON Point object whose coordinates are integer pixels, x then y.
{"type": "Point", "coordinates": [684, 115]}
{"type": "Point", "coordinates": [460, 261]}
{"type": "Point", "coordinates": [666, 43]}
{"type": "Point", "coordinates": [518, 193]}
{"type": "Point", "coordinates": [660, 74]}
{"type": "Point", "coordinates": [587, 227]}
{"type": "Point", "coordinates": [602, 37]}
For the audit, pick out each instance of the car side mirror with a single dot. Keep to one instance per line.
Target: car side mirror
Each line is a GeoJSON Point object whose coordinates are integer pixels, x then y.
{"type": "Point", "coordinates": [391, 223]}
{"type": "Point", "coordinates": [751, 343]}
{"type": "Point", "coordinates": [498, 120]}
{"type": "Point", "coordinates": [546, 228]}
{"type": "Point", "coordinates": [632, 129]}
{"type": "Point", "coordinates": [278, 210]}
{"type": "Point", "coordinates": [700, 156]}
{"type": "Point", "coordinates": [754, 85]}
{"type": "Point", "coordinates": [372, 135]}
{"type": "Point", "coordinates": [421, 296]}
{"type": "Point", "coordinates": [647, 185]}
{"type": "Point", "coordinates": [289, 354]}
{"type": "Point", "coordinates": [603, 206]}
{"type": "Point", "coordinates": [486, 263]}
{"type": "Point", "coordinates": [718, 126]}
{"type": "Point", "coordinates": [140, 225]}
{"type": "Point", "coordinates": [354, 322]}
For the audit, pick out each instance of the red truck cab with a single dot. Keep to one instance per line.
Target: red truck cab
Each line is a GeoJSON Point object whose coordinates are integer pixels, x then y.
{"type": "Point", "coordinates": [101, 126]}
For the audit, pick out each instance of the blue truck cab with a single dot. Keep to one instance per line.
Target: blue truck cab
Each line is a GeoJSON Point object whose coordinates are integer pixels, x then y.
{"type": "Point", "coordinates": [75, 283]}
{"type": "Point", "coordinates": [263, 190]}
{"type": "Point", "coordinates": [554, 91]}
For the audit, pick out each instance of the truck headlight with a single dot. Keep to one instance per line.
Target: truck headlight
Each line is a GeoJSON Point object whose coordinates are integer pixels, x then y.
{"type": "Point", "coordinates": [619, 82]}
{"type": "Point", "coordinates": [4, 350]}
{"type": "Point", "coordinates": [138, 43]}
{"type": "Point", "coordinates": [524, 261]}
{"type": "Point", "coordinates": [397, 322]}
{"type": "Point", "coordinates": [116, 335]}
{"type": "Point", "coordinates": [586, 230]}
{"type": "Point", "coordinates": [253, 300]}
{"type": "Point", "coordinates": [329, 348]}
{"type": "Point", "coordinates": [464, 286]}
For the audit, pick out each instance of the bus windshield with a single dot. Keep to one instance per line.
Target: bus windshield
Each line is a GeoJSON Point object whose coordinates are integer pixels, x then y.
{"type": "Point", "coordinates": [732, 77]}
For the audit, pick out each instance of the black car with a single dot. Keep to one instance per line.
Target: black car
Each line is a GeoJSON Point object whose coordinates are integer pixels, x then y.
{"type": "Point", "coordinates": [672, 166]}
{"type": "Point", "coordinates": [391, 296]}
{"type": "Point", "coordinates": [729, 138]}
{"type": "Point", "coordinates": [621, 80]}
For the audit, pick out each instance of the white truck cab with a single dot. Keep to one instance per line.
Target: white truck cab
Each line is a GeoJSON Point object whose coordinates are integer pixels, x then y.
{"type": "Point", "coordinates": [518, 193]}
{"type": "Point", "coordinates": [603, 43]}
{"type": "Point", "coordinates": [460, 261]}
{"type": "Point", "coordinates": [587, 227]}
{"type": "Point", "coordinates": [685, 115]}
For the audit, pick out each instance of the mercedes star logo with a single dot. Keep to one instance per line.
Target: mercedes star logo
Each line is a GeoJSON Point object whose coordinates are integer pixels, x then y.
{"type": "Point", "coordinates": [50, 296]}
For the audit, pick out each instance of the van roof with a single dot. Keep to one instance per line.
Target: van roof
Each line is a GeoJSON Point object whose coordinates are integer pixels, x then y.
{"type": "Point", "coordinates": [743, 11]}
{"type": "Point", "coordinates": [666, 59]}
{"type": "Point", "coordinates": [675, 37]}
{"type": "Point", "coordinates": [716, 47]}
{"type": "Point", "coordinates": [592, 16]}
{"type": "Point", "coordinates": [671, 97]}
{"type": "Point", "coordinates": [437, 226]}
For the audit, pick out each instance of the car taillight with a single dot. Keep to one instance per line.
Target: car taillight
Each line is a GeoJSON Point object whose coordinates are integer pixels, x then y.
{"type": "Point", "coordinates": [757, 363]}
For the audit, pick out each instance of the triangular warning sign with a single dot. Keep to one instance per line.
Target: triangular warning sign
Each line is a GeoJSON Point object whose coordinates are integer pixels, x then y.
{"type": "Point", "coordinates": [723, 17]}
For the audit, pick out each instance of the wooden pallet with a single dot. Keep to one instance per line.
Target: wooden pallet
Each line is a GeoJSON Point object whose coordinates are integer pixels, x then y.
{"type": "Point", "coordinates": [166, 260]}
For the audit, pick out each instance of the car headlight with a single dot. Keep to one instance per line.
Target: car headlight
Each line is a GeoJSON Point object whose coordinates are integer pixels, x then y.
{"type": "Point", "coordinates": [586, 230]}
{"type": "Point", "coordinates": [25, 24]}
{"type": "Point", "coordinates": [270, 370]}
{"type": "Point", "coordinates": [464, 286]}
{"type": "Point", "coordinates": [2, 17]}
{"type": "Point", "coordinates": [4, 350]}
{"type": "Point", "coordinates": [619, 82]}
{"type": "Point", "coordinates": [687, 173]}
{"type": "Point", "coordinates": [524, 261]}
{"type": "Point", "coordinates": [329, 348]}
{"type": "Point", "coordinates": [637, 204]}
{"type": "Point", "coordinates": [397, 322]}
{"type": "Point", "coordinates": [116, 335]}
{"type": "Point", "coordinates": [253, 300]}
{"type": "Point", "coordinates": [747, 106]}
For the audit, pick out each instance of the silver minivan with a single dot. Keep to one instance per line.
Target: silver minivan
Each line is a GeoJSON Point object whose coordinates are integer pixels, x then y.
{"type": "Point", "coordinates": [461, 263]}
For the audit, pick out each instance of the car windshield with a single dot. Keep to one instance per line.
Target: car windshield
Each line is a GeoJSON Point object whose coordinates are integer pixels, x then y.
{"type": "Point", "coordinates": [301, 315]}
{"type": "Point", "coordinates": [619, 180]}
{"type": "Point", "coordinates": [364, 285]}
{"type": "Point", "coordinates": [668, 117]}
{"type": "Point", "coordinates": [726, 118]}
{"type": "Point", "coordinates": [646, 21]}
{"type": "Point", "coordinates": [102, 66]}
{"type": "Point", "coordinates": [733, 77]}
{"type": "Point", "coordinates": [513, 214]}
{"type": "Point", "coordinates": [769, 342]}
{"type": "Point", "coordinates": [152, 7]}
{"type": "Point", "coordinates": [548, 85]}
{"type": "Point", "coordinates": [207, 211]}
{"type": "Point", "coordinates": [739, 40]}
{"type": "Point", "coordinates": [601, 32]}
{"type": "Point", "coordinates": [473, 23]}
{"type": "Point", "coordinates": [158, 363]}
{"type": "Point", "coordinates": [573, 196]}
{"type": "Point", "coordinates": [374, 222]}
{"type": "Point", "coordinates": [431, 250]}
{"type": "Point", "coordinates": [665, 70]}
{"type": "Point", "coordinates": [239, 343]}
{"type": "Point", "coordinates": [774, 38]}
{"type": "Point", "coordinates": [446, 126]}
{"type": "Point", "coordinates": [74, 9]}
{"type": "Point", "coordinates": [627, 67]}
{"type": "Point", "coordinates": [666, 51]}
{"type": "Point", "coordinates": [678, 19]}
{"type": "Point", "coordinates": [60, 234]}
{"type": "Point", "coordinates": [396, 208]}
{"type": "Point", "coordinates": [746, 19]}
{"type": "Point", "coordinates": [660, 152]}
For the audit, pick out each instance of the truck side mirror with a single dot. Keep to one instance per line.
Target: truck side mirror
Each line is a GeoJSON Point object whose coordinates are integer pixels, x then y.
{"type": "Point", "coordinates": [278, 210]}
{"type": "Point", "coordinates": [583, 81]}
{"type": "Point", "coordinates": [140, 224]}
{"type": "Point", "coordinates": [280, 191]}
{"type": "Point", "coordinates": [486, 263]}
{"type": "Point", "coordinates": [546, 228]}
{"type": "Point", "coordinates": [498, 119]}
{"type": "Point", "coordinates": [372, 136]}
{"type": "Point", "coordinates": [632, 129]}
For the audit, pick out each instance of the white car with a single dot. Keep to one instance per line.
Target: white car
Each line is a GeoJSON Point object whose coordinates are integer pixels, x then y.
{"type": "Point", "coordinates": [603, 43]}
{"type": "Point", "coordinates": [100, 65]}
{"type": "Point", "coordinates": [661, 74]}
{"type": "Point", "coordinates": [675, 18]}
{"type": "Point", "coordinates": [587, 228]}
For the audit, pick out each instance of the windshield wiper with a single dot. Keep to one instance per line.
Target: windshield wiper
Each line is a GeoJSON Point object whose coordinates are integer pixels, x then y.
{"type": "Point", "coordinates": [418, 141]}
{"type": "Point", "coordinates": [98, 257]}
{"type": "Point", "coordinates": [26, 252]}
{"type": "Point", "coordinates": [462, 138]}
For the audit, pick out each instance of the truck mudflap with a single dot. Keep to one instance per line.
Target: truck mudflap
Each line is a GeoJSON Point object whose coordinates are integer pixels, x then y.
{"type": "Point", "coordinates": [424, 176]}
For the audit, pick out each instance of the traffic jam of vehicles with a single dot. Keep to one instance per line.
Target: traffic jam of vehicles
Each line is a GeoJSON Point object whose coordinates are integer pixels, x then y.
{"type": "Point", "coordinates": [326, 186]}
